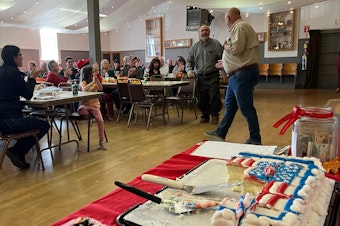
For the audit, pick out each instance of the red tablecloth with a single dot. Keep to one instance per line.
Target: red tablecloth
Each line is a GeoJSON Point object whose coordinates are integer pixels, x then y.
{"type": "Point", "coordinates": [109, 207]}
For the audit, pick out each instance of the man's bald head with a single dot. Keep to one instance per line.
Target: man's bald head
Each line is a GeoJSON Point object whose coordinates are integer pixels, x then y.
{"type": "Point", "coordinates": [232, 15]}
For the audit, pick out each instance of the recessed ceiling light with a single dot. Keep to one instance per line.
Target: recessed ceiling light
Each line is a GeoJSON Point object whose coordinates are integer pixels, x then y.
{"type": "Point", "coordinates": [289, 2]}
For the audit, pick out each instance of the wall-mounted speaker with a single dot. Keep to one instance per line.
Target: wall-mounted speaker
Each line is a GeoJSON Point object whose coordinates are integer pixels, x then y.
{"type": "Point", "coordinates": [197, 17]}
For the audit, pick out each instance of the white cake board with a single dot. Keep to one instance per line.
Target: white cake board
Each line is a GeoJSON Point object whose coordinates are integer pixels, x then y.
{"type": "Point", "coordinates": [226, 150]}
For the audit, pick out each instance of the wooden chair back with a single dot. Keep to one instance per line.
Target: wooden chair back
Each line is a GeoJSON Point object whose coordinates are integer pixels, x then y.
{"type": "Point", "coordinates": [275, 69]}
{"type": "Point", "coordinates": [289, 69]}
{"type": "Point", "coordinates": [137, 92]}
{"type": "Point", "coordinates": [188, 90]}
{"type": "Point", "coordinates": [123, 90]}
{"type": "Point", "coordinates": [263, 69]}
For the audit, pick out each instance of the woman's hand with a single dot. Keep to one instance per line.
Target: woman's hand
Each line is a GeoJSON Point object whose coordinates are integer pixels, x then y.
{"type": "Point", "coordinates": [67, 72]}
{"type": "Point", "coordinates": [34, 73]}
{"type": "Point", "coordinates": [181, 67]}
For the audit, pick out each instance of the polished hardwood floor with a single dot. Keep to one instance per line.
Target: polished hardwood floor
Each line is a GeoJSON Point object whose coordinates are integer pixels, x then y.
{"type": "Point", "coordinates": [75, 178]}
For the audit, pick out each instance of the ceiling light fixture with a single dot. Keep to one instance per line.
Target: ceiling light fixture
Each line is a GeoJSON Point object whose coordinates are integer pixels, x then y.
{"type": "Point", "coordinates": [289, 2]}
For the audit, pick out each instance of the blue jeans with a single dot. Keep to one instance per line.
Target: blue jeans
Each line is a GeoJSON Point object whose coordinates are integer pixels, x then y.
{"type": "Point", "coordinates": [239, 95]}
{"type": "Point", "coordinates": [17, 125]}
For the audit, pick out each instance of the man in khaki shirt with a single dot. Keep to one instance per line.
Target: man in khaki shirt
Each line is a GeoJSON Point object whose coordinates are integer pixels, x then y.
{"type": "Point", "coordinates": [240, 60]}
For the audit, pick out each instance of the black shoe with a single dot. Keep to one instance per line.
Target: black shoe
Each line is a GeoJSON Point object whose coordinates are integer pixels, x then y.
{"type": "Point", "coordinates": [251, 141]}
{"type": "Point", "coordinates": [20, 163]}
{"type": "Point", "coordinates": [212, 135]}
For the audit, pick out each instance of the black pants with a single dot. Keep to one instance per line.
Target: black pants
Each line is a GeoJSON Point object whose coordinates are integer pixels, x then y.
{"type": "Point", "coordinates": [17, 125]}
{"type": "Point", "coordinates": [208, 94]}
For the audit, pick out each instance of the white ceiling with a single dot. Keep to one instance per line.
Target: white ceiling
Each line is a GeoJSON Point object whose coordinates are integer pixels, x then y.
{"type": "Point", "coordinates": [71, 15]}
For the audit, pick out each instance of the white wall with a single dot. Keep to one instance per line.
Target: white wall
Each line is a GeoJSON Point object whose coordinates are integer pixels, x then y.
{"type": "Point", "coordinates": [81, 41]}
{"type": "Point", "coordinates": [325, 16]}
{"type": "Point", "coordinates": [23, 37]}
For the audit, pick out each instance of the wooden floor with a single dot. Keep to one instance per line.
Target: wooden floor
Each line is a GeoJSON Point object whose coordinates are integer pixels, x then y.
{"type": "Point", "coordinates": [74, 178]}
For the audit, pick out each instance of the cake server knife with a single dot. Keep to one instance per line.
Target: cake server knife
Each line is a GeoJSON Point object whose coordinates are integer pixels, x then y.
{"type": "Point", "coordinates": [171, 205]}
{"type": "Point", "coordinates": [189, 188]}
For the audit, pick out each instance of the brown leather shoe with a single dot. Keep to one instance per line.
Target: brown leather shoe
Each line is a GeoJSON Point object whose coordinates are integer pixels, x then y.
{"type": "Point", "coordinates": [214, 119]}
{"type": "Point", "coordinates": [204, 120]}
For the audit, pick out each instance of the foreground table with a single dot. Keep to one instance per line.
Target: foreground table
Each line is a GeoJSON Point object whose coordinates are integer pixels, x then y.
{"type": "Point", "coordinates": [109, 207]}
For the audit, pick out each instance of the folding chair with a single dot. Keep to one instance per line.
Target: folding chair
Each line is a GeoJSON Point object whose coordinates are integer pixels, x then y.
{"type": "Point", "coordinates": [184, 95]}
{"type": "Point", "coordinates": [7, 138]}
{"type": "Point", "coordinates": [139, 99]}
{"type": "Point", "coordinates": [123, 91]}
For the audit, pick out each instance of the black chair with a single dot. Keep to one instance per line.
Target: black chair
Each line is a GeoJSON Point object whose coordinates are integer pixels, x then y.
{"type": "Point", "coordinates": [156, 93]}
{"type": "Point", "coordinates": [124, 96]}
{"type": "Point", "coordinates": [139, 99]}
{"type": "Point", "coordinates": [73, 118]}
{"type": "Point", "coordinates": [185, 95]}
{"type": "Point", "coordinates": [50, 115]}
{"type": "Point", "coordinates": [7, 138]}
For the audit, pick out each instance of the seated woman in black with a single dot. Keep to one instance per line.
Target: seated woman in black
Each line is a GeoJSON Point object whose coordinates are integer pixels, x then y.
{"type": "Point", "coordinates": [154, 67]}
{"type": "Point", "coordinates": [12, 87]}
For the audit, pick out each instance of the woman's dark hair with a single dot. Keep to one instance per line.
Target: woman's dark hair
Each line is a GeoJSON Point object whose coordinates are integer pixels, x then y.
{"type": "Point", "coordinates": [8, 53]}
{"type": "Point", "coordinates": [181, 59]}
{"type": "Point", "coordinates": [87, 74]}
{"type": "Point", "coordinates": [151, 65]}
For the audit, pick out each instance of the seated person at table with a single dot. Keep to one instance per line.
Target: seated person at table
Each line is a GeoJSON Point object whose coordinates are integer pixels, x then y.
{"type": "Point", "coordinates": [164, 68]}
{"type": "Point", "coordinates": [154, 68]}
{"type": "Point", "coordinates": [128, 62]}
{"type": "Point", "coordinates": [139, 69]}
{"type": "Point", "coordinates": [180, 66]}
{"type": "Point", "coordinates": [107, 99]}
{"type": "Point", "coordinates": [115, 71]}
{"type": "Point", "coordinates": [171, 66]}
{"type": "Point", "coordinates": [69, 64]}
{"type": "Point", "coordinates": [44, 70]}
{"type": "Point", "coordinates": [53, 75]}
{"type": "Point", "coordinates": [132, 73]}
{"type": "Point", "coordinates": [91, 83]}
{"type": "Point", "coordinates": [31, 64]}
{"type": "Point", "coordinates": [12, 87]}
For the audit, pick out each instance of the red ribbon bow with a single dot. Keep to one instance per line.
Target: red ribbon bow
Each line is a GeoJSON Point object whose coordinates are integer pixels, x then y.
{"type": "Point", "coordinates": [312, 112]}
